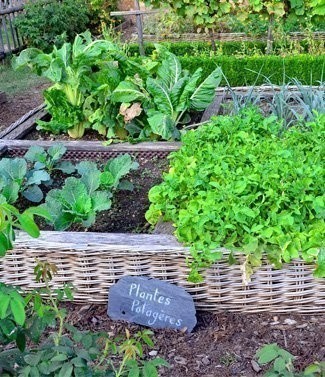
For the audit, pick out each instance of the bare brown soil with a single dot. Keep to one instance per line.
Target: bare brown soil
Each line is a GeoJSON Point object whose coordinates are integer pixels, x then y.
{"type": "Point", "coordinates": [221, 345]}
{"type": "Point", "coordinates": [18, 105]}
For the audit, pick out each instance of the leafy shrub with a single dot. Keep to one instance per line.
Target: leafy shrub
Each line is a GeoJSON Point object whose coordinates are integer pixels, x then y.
{"type": "Point", "coordinates": [236, 48]}
{"type": "Point", "coordinates": [48, 22]}
{"type": "Point", "coordinates": [245, 184]}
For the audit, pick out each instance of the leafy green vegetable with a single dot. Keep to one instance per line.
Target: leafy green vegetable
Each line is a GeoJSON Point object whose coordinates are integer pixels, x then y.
{"type": "Point", "coordinates": [168, 97]}
{"type": "Point", "coordinates": [84, 74]}
{"type": "Point", "coordinates": [237, 183]}
{"type": "Point", "coordinates": [81, 198]}
{"type": "Point", "coordinates": [16, 178]}
{"type": "Point", "coordinates": [49, 160]}
{"type": "Point", "coordinates": [75, 203]}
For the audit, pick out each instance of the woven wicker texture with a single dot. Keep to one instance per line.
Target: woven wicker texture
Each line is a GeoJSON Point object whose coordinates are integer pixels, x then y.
{"type": "Point", "coordinates": [92, 262]}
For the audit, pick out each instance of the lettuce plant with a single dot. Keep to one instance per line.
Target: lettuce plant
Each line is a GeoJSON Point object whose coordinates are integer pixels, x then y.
{"type": "Point", "coordinates": [242, 183]}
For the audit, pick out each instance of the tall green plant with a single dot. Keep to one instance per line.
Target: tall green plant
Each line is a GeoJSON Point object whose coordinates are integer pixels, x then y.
{"type": "Point", "coordinates": [167, 97]}
{"type": "Point", "coordinates": [273, 10]}
{"type": "Point", "coordinates": [84, 74]}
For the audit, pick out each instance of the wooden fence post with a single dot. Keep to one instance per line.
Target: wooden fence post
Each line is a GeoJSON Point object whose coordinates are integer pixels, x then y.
{"type": "Point", "coordinates": [139, 28]}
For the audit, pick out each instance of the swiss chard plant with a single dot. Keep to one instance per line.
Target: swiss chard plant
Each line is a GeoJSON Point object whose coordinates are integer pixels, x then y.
{"type": "Point", "coordinates": [242, 183]}
{"type": "Point", "coordinates": [166, 97]}
{"type": "Point", "coordinates": [84, 74]}
{"type": "Point", "coordinates": [82, 198]}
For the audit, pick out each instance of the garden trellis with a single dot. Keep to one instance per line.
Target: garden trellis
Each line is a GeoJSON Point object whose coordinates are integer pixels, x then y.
{"type": "Point", "coordinates": [10, 40]}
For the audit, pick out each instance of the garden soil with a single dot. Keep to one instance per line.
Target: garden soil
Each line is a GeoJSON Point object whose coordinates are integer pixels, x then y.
{"type": "Point", "coordinates": [221, 345]}
{"type": "Point", "coordinates": [19, 104]}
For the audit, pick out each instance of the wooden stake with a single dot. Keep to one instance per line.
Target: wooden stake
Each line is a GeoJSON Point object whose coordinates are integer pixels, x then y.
{"type": "Point", "coordinates": [139, 28]}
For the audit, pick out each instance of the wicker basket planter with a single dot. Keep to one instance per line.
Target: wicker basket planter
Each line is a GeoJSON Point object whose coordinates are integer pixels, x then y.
{"type": "Point", "coordinates": [92, 262]}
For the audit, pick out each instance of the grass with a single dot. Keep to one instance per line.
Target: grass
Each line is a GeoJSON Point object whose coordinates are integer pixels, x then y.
{"type": "Point", "coordinates": [16, 82]}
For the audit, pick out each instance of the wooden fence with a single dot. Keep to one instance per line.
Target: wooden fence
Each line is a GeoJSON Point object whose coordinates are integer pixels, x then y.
{"type": "Point", "coordinates": [10, 40]}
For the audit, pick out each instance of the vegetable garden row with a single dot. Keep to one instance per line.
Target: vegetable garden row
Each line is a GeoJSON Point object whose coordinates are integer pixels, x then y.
{"type": "Point", "coordinates": [235, 213]}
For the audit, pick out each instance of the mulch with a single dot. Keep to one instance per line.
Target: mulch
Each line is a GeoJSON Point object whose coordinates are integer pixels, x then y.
{"type": "Point", "coordinates": [221, 345]}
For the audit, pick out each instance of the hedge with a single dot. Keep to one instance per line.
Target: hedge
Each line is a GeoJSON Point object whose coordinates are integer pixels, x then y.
{"type": "Point", "coordinates": [255, 70]}
{"type": "Point", "coordinates": [226, 48]}
{"type": "Point", "coordinates": [245, 71]}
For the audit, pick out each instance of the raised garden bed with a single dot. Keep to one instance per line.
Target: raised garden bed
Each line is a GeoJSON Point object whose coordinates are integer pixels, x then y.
{"type": "Point", "coordinates": [92, 262]}
{"type": "Point", "coordinates": [25, 127]}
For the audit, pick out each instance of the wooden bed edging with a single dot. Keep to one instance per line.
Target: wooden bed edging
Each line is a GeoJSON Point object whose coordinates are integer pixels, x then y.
{"type": "Point", "coordinates": [92, 149]}
{"type": "Point", "coordinates": [92, 262]}
{"type": "Point", "coordinates": [24, 125]}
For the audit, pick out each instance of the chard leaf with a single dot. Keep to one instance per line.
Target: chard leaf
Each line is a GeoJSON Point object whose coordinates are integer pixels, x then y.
{"type": "Point", "coordinates": [163, 125]}
{"type": "Point", "coordinates": [189, 89]}
{"type": "Point", "coordinates": [170, 70]}
{"type": "Point", "coordinates": [205, 92]}
{"type": "Point", "coordinates": [126, 92]}
{"type": "Point", "coordinates": [161, 96]}
{"type": "Point", "coordinates": [177, 90]}
{"type": "Point", "coordinates": [54, 72]}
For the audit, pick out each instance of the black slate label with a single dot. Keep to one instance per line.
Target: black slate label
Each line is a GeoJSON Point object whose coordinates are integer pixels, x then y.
{"type": "Point", "coordinates": [151, 302]}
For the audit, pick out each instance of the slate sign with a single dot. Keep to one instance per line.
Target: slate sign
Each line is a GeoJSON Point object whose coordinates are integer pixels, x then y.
{"type": "Point", "coordinates": [151, 302]}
